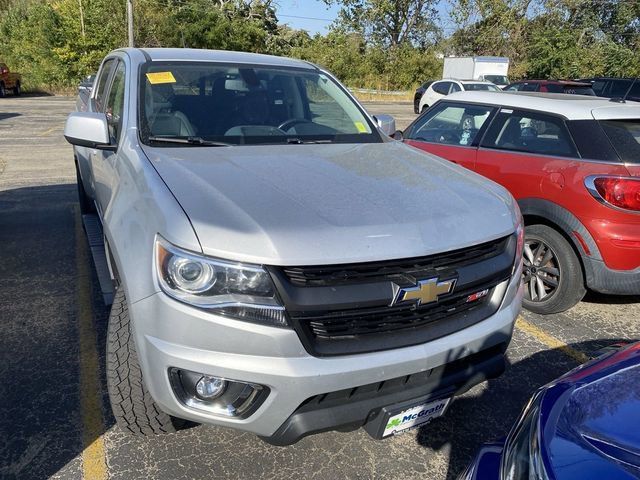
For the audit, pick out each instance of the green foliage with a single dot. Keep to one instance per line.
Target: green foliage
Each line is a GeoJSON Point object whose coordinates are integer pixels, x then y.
{"type": "Point", "coordinates": [382, 44]}
{"type": "Point", "coordinates": [554, 38]}
{"type": "Point", "coordinates": [390, 22]}
{"type": "Point", "coordinates": [359, 64]}
{"type": "Point", "coordinates": [246, 26]}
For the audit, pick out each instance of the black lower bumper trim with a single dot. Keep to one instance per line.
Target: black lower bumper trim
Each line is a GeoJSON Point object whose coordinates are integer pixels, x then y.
{"type": "Point", "coordinates": [602, 279]}
{"type": "Point", "coordinates": [355, 407]}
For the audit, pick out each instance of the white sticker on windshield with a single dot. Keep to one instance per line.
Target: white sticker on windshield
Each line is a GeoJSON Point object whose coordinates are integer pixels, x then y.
{"type": "Point", "coordinates": [504, 110]}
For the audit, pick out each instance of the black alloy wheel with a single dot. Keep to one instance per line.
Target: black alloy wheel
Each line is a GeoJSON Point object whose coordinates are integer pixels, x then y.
{"type": "Point", "coordinates": [541, 271]}
{"type": "Point", "coordinates": [552, 273]}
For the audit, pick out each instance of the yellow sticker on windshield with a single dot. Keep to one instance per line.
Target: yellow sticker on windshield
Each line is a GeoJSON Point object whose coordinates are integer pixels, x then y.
{"type": "Point", "coordinates": [360, 126]}
{"type": "Point", "coordinates": [160, 77]}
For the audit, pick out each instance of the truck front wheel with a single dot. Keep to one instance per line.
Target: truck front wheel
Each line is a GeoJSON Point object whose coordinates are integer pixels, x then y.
{"type": "Point", "coordinates": [133, 408]}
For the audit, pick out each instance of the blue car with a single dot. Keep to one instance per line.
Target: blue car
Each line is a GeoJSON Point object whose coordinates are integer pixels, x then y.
{"type": "Point", "coordinates": [584, 425]}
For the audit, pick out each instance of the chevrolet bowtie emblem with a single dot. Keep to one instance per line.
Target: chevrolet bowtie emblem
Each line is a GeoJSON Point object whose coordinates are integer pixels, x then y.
{"type": "Point", "coordinates": [427, 291]}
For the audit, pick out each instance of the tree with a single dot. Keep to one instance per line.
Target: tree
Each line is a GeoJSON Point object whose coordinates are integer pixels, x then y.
{"type": "Point", "coordinates": [551, 38]}
{"type": "Point", "coordinates": [390, 22]}
{"type": "Point", "coordinates": [226, 25]}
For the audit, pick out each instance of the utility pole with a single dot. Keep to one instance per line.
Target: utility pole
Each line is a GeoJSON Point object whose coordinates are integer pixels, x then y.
{"type": "Point", "coordinates": [81, 19]}
{"type": "Point", "coordinates": [130, 21]}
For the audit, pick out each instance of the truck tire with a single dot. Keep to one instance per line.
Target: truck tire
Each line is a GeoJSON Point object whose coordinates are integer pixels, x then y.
{"type": "Point", "coordinates": [17, 90]}
{"type": "Point", "coordinates": [133, 408]}
{"type": "Point", "coordinates": [86, 204]}
{"type": "Point", "coordinates": [552, 274]}
{"type": "Point", "coordinates": [3, 91]}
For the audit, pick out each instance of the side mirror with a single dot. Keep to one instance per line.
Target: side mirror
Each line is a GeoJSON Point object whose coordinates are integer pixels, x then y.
{"type": "Point", "coordinates": [386, 124]}
{"type": "Point", "coordinates": [397, 135]}
{"type": "Point", "coordinates": [88, 129]}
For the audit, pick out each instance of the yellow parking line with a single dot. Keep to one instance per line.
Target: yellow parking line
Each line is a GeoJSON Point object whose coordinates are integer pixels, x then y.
{"type": "Point", "coordinates": [549, 340]}
{"type": "Point", "coordinates": [47, 132]}
{"type": "Point", "coordinates": [94, 465]}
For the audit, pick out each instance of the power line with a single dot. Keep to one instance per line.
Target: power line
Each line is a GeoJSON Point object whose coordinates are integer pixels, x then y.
{"type": "Point", "coordinates": [305, 18]}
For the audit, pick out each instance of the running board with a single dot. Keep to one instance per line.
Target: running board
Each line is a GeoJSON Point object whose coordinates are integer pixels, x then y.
{"type": "Point", "coordinates": [93, 229]}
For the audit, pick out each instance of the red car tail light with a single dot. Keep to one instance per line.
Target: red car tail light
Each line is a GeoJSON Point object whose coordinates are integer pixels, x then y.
{"type": "Point", "coordinates": [620, 192]}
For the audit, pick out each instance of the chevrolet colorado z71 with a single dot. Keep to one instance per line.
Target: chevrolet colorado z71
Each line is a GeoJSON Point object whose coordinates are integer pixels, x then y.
{"type": "Point", "coordinates": [281, 266]}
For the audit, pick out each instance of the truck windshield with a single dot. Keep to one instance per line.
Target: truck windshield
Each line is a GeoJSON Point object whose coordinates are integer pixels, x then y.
{"type": "Point", "coordinates": [625, 138]}
{"type": "Point", "coordinates": [243, 104]}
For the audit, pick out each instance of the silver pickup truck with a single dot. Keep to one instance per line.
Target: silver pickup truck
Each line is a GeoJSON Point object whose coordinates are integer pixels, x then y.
{"type": "Point", "coordinates": [280, 265]}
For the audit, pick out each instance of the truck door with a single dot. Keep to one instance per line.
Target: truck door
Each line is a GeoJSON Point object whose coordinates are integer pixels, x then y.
{"type": "Point", "coordinates": [87, 157]}
{"type": "Point", "coordinates": [103, 162]}
{"type": "Point", "coordinates": [450, 130]}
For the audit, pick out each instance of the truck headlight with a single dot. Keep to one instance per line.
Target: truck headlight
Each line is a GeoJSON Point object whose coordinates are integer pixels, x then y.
{"type": "Point", "coordinates": [232, 289]}
{"type": "Point", "coordinates": [519, 236]}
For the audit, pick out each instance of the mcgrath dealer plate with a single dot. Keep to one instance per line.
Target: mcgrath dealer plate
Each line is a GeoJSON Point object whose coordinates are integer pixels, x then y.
{"type": "Point", "coordinates": [414, 416]}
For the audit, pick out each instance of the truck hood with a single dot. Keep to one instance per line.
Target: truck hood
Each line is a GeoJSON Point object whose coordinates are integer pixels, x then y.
{"type": "Point", "coordinates": [337, 203]}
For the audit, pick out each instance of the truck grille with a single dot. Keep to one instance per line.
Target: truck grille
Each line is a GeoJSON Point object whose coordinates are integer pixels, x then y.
{"type": "Point", "coordinates": [325, 275]}
{"type": "Point", "coordinates": [345, 309]}
{"type": "Point", "coordinates": [349, 323]}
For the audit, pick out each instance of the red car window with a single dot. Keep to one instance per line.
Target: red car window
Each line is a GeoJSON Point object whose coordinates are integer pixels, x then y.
{"type": "Point", "coordinates": [450, 124]}
{"type": "Point", "coordinates": [530, 132]}
{"type": "Point", "coordinates": [625, 138]}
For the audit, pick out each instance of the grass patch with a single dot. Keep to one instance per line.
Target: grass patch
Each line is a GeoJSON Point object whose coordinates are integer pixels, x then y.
{"type": "Point", "coordinates": [382, 96]}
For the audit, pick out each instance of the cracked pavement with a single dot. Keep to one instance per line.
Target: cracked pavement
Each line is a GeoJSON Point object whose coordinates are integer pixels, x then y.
{"type": "Point", "coordinates": [41, 425]}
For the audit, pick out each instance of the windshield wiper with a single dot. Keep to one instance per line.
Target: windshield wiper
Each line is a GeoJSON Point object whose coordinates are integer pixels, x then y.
{"type": "Point", "coordinates": [297, 141]}
{"type": "Point", "coordinates": [189, 141]}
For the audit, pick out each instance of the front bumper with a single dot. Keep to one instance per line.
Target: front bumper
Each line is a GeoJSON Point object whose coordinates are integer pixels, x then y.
{"type": "Point", "coordinates": [170, 334]}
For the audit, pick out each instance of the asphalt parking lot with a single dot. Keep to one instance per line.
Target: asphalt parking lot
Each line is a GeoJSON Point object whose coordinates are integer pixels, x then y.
{"type": "Point", "coordinates": [54, 418]}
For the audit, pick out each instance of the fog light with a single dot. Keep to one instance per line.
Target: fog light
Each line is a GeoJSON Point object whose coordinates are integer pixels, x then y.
{"type": "Point", "coordinates": [209, 387]}
{"type": "Point", "coordinates": [217, 395]}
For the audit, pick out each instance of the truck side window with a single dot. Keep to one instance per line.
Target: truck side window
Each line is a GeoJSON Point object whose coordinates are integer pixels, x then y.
{"type": "Point", "coordinates": [530, 132]}
{"type": "Point", "coordinates": [115, 103]}
{"type": "Point", "coordinates": [101, 85]}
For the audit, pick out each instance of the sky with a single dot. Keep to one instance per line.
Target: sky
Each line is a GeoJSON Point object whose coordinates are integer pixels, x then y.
{"type": "Point", "coordinates": [317, 15]}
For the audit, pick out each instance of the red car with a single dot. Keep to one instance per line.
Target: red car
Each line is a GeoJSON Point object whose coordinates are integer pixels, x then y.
{"type": "Point", "coordinates": [573, 164]}
{"type": "Point", "coordinates": [551, 86]}
{"type": "Point", "coordinates": [9, 81]}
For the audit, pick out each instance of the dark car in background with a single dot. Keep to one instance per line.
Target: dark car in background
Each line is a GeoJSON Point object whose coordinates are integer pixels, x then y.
{"type": "Point", "coordinates": [612, 87]}
{"type": "Point", "coordinates": [551, 86]}
{"type": "Point", "coordinates": [418, 95]}
{"type": "Point", "coordinates": [84, 92]}
{"type": "Point", "coordinates": [582, 426]}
